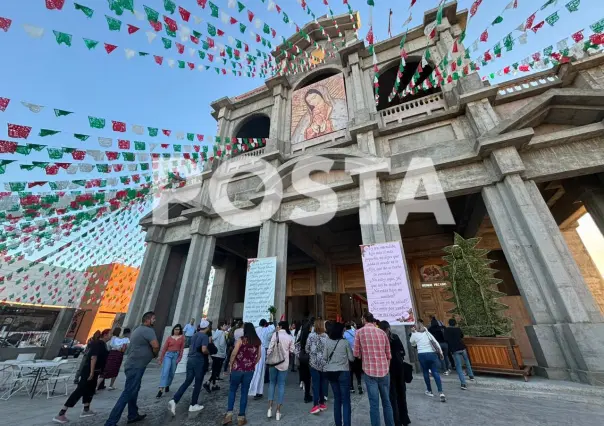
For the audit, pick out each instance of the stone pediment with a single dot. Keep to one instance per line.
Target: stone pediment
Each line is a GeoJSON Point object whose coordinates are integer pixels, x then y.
{"type": "Point", "coordinates": [566, 106]}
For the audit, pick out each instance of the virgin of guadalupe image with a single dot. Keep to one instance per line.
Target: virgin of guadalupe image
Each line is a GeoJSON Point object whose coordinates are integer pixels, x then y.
{"type": "Point", "coordinates": [323, 115]}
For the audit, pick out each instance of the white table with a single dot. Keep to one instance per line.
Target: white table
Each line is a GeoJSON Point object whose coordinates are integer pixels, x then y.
{"type": "Point", "coordinates": [36, 367]}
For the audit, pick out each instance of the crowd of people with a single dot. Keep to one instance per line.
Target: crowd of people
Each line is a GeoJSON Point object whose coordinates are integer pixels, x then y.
{"type": "Point", "coordinates": [325, 353]}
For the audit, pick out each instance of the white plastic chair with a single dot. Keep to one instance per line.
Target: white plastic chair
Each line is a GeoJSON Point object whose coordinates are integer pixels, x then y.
{"type": "Point", "coordinates": [26, 357]}
{"type": "Point", "coordinates": [15, 383]}
{"type": "Point", "coordinates": [61, 374]}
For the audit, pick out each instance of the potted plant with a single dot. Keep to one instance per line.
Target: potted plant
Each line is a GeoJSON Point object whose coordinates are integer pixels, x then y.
{"type": "Point", "coordinates": [272, 311]}
{"type": "Point", "coordinates": [480, 315]}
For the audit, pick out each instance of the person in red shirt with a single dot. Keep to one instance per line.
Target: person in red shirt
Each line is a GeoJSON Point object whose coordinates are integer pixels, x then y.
{"type": "Point", "coordinates": [373, 347]}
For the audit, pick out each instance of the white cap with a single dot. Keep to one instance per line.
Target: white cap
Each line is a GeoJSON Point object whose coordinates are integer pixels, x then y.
{"type": "Point", "coordinates": [204, 324]}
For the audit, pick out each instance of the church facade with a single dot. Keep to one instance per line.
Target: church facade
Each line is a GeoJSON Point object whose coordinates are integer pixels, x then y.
{"type": "Point", "coordinates": [518, 163]}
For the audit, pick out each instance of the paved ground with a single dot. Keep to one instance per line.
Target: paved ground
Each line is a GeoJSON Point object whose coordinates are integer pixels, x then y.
{"type": "Point", "coordinates": [492, 400]}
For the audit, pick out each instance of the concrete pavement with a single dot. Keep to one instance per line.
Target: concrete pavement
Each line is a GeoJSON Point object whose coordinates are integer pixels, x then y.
{"type": "Point", "coordinates": [494, 401]}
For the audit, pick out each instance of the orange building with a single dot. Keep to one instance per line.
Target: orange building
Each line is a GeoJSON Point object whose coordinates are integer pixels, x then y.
{"type": "Point", "coordinates": [107, 295]}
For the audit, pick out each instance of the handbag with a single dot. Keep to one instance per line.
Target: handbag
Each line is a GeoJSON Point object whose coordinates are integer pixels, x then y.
{"type": "Point", "coordinates": [435, 346]}
{"type": "Point", "coordinates": [332, 376]}
{"type": "Point", "coordinates": [407, 372]}
{"type": "Point", "coordinates": [212, 349]}
{"type": "Point", "coordinates": [276, 356]}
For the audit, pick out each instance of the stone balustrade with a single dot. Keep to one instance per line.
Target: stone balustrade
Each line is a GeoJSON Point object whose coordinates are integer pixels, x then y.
{"type": "Point", "coordinates": [529, 83]}
{"type": "Point", "coordinates": [421, 106]}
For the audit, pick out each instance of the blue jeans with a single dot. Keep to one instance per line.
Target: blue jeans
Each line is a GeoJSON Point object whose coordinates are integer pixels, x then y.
{"type": "Point", "coordinates": [379, 388]}
{"type": "Point", "coordinates": [168, 368]}
{"type": "Point", "coordinates": [134, 377]}
{"type": "Point", "coordinates": [341, 399]}
{"type": "Point", "coordinates": [458, 357]}
{"type": "Point", "coordinates": [243, 378]}
{"type": "Point", "coordinates": [195, 369]}
{"type": "Point", "coordinates": [277, 379]}
{"type": "Point", "coordinates": [430, 361]}
{"type": "Point", "coordinates": [319, 386]}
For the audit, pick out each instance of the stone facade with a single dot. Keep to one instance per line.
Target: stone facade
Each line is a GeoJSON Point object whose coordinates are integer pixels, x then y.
{"type": "Point", "coordinates": [495, 148]}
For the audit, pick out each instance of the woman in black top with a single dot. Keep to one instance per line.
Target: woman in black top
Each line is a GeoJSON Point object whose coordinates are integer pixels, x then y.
{"type": "Point", "coordinates": [437, 329]}
{"type": "Point", "coordinates": [304, 368]}
{"type": "Point", "coordinates": [398, 389]}
{"type": "Point", "coordinates": [89, 375]}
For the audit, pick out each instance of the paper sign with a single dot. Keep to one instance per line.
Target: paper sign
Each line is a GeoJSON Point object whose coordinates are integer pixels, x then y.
{"type": "Point", "coordinates": [388, 293]}
{"type": "Point", "coordinates": [259, 289]}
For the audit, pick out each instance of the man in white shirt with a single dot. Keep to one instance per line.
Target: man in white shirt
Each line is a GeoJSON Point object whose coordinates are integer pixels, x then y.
{"type": "Point", "coordinates": [189, 331]}
{"type": "Point", "coordinates": [264, 332]}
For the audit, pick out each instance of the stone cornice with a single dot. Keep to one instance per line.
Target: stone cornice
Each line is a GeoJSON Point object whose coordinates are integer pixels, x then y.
{"type": "Point", "coordinates": [519, 139]}
{"type": "Point", "coordinates": [571, 135]}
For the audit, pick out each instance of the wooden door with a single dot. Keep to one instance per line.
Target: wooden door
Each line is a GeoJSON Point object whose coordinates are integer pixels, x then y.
{"type": "Point", "coordinates": [351, 278]}
{"type": "Point", "coordinates": [332, 309]}
{"type": "Point", "coordinates": [301, 282]}
{"type": "Point", "coordinates": [430, 286]}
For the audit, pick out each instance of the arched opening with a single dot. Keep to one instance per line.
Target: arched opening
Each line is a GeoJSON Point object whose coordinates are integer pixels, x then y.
{"type": "Point", "coordinates": [321, 75]}
{"type": "Point", "coordinates": [388, 77]}
{"type": "Point", "coordinates": [257, 126]}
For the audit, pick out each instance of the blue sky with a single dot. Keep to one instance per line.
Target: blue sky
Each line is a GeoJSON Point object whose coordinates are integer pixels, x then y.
{"type": "Point", "coordinates": [140, 92]}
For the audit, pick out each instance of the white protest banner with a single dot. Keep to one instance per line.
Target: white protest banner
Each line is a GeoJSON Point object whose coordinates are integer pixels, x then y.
{"type": "Point", "coordinates": [259, 289]}
{"type": "Point", "coordinates": [388, 293]}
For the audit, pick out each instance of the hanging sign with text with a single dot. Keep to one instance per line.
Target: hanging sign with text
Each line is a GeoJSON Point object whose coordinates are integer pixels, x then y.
{"type": "Point", "coordinates": [259, 289]}
{"type": "Point", "coordinates": [388, 293]}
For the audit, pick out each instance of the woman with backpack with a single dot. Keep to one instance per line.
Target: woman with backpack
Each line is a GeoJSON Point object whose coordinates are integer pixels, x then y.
{"type": "Point", "coordinates": [338, 357]}
{"type": "Point", "coordinates": [398, 389]}
{"type": "Point", "coordinates": [277, 359]}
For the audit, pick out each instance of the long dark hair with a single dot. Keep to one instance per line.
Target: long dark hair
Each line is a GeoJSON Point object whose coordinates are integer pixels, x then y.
{"type": "Point", "coordinates": [336, 331]}
{"type": "Point", "coordinates": [305, 331]}
{"type": "Point", "coordinates": [117, 331]}
{"type": "Point", "coordinates": [249, 333]}
{"type": "Point", "coordinates": [315, 91]}
{"type": "Point", "coordinates": [175, 327]}
{"type": "Point", "coordinates": [284, 325]}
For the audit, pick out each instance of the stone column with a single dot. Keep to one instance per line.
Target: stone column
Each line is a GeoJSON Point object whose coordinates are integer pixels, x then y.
{"type": "Point", "coordinates": [379, 224]}
{"type": "Point", "coordinates": [567, 334]}
{"type": "Point", "coordinates": [149, 278]}
{"type": "Point", "coordinates": [218, 297]}
{"type": "Point", "coordinates": [278, 113]}
{"type": "Point", "coordinates": [361, 110]}
{"type": "Point", "coordinates": [273, 243]}
{"type": "Point", "coordinates": [223, 115]}
{"type": "Point", "coordinates": [58, 332]}
{"type": "Point", "coordinates": [194, 282]}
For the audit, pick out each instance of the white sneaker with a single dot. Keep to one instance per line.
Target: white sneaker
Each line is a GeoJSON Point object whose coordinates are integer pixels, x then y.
{"type": "Point", "coordinates": [447, 372]}
{"type": "Point", "coordinates": [428, 393]}
{"type": "Point", "coordinates": [172, 407]}
{"type": "Point", "coordinates": [443, 398]}
{"type": "Point", "coordinates": [325, 398]}
{"type": "Point", "coordinates": [278, 416]}
{"type": "Point", "coordinates": [269, 413]}
{"type": "Point", "coordinates": [111, 388]}
{"type": "Point", "coordinates": [301, 385]}
{"type": "Point", "coordinates": [195, 408]}
{"type": "Point", "coordinates": [88, 413]}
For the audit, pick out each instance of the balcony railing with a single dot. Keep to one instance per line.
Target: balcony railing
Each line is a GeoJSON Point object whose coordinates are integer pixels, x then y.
{"type": "Point", "coordinates": [422, 106]}
{"type": "Point", "coordinates": [529, 83]}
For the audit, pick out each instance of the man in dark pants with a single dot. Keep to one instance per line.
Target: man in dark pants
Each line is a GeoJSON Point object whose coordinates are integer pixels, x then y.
{"type": "Point", "coordinates": [195, 369]}
{"type": "Point", "coordinates": [143, 347]}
